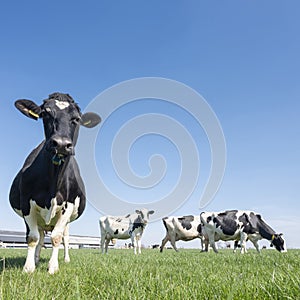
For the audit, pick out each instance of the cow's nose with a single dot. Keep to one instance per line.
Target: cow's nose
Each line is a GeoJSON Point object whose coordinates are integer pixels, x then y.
{"type": "Point", "coordinates": [62, 145]}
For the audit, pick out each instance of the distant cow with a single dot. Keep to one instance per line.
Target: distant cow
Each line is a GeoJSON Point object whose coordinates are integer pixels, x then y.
{"type": "Point", "coordinates": [239, 226]}
{"type": "Point", "coordinates": [131, 226]}
{"type": "Point", "coordinates": [48, 192]}
{"type": "Point", "coordinates": [184, 228]}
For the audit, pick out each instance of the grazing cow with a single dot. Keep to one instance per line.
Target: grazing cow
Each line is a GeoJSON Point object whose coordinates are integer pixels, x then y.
{"type": "Point", "coordinates": [131, 226]}
{"type": "Point", "coordinates": [239, 226]}
{"type": "Point", "coordinates": [184, 228]}
{"type": "Point", "coordinates": [48, 192]}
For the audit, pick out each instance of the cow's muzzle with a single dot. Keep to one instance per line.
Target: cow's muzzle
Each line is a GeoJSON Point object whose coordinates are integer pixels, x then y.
{"type": "Point", "coordinates": [61, 148]}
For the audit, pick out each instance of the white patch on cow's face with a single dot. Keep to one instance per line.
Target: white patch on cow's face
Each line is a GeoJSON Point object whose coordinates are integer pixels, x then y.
{"type": "Point", "coordinates": [61, 104]}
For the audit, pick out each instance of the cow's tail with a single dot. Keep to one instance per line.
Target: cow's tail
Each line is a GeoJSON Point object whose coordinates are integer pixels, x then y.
{"type": "Point", "coordinates": [164, 222]}
{"type": "Point", "coordinates": [202, 219]}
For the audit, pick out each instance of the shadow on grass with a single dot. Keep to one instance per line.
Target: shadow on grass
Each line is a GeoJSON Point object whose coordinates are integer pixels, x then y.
{"type": "Point", "coordinates": [15, 263]}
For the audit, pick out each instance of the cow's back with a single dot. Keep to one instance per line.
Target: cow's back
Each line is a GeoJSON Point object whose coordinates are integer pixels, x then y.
{"type": "Point", "coordinates": [115, 227]}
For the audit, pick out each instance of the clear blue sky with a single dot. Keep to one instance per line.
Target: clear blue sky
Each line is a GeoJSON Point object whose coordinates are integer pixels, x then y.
{"type": "Point", "coordinates": [242, 57]}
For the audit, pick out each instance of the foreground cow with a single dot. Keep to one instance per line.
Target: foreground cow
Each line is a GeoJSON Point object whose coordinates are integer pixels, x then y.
{"type": "Point", "coordinates": [131, 226]}
{"type": "Point", "coordinates": [239, 226]}
{"type": "Point", "coordinates": [48, 192]}
{"type": "Point", "coordinates": [184, 228]}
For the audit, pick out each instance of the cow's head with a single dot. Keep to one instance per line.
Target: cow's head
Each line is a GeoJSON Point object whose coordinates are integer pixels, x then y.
{"type": "Point", "coordinates": [278, 242]}
{"type": "Point", "coordinates": [62, 119]}
{"type": "Point", "coordinates": [144, 215]}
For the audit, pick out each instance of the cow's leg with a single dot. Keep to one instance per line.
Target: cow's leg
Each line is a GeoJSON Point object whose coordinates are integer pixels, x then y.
{"type": "Point", "coordinates": [56, 238]}
{"type": "Point", "coordinates": [211, 238]}
{"type": "Point", "coordinates": [66, 240]}
{"type": "Point", "coordinates": [107, 240]}
{"type": "Point", "coordinates": [39, 246]}
{"type": "Point", "coordinates": [102, 242]}
{"type": "Point", "coordinates": [255, 243]}
{"type": "Point", "coordinates": [204, 244]}
{"type": "Point", "coordinates": [134, 243]}
{"type": "Point", "coordinates": [139, 243]}
{"type": "Point", "coordinates": [163, 243]}
{"type": "Point", "coordinates": [236, 244]}
{"type": "Point", "coordinates": [243, 240]}
{"type": "Point", "coordinates": [173, 242]}
{"type": "Point", "coordinates": [32, 238]}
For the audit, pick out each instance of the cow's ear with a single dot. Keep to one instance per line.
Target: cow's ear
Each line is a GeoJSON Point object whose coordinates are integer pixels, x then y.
{"type": "Point", "coordinates": [151, 212]}
{"type": "Point", "coordinates": [28, 108]}
{"type": "Point", "coordinates": [90, 120]}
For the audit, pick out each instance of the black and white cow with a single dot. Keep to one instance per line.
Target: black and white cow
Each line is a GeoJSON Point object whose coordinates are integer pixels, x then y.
{"type": "Point", "coordinates": [239, 225]}
{"type": "Point", "coordinates": [184, 228]}
{"type": "Point", "coordinates": [124, 227]}
{"type": "Point", "coordinates": [48, 191]}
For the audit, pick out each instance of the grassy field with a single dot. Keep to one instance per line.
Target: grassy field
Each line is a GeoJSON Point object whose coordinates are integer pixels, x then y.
{"type": "Point", "coordinates": [188, 274]}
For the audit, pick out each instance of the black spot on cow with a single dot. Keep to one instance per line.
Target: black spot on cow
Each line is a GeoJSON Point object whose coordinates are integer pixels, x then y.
{"type": "Point", "coordinates": [136, 224]}
{"type": "Point", "coordinates": [186, 222]}
{"type": "Point", "coordinates": [199, 228]}
{"type": "Point", "coordinates": [227, 222]}
{"type": "Point", "coordinates": [247, 226]}
{"type": "Point", "coordinates": [116, 232]}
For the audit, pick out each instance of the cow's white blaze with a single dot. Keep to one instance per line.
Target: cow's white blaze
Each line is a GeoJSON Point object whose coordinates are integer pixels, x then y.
{"type": "Point", "coordinates": [61, 104]}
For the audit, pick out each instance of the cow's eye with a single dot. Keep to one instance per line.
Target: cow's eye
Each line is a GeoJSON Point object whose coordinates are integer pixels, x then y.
{"type": "Point", "coordinates": [75, 120]}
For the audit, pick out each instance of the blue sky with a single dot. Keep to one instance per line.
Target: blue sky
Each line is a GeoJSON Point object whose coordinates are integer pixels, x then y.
{"type": "Point", "coordinates": [242, 57]}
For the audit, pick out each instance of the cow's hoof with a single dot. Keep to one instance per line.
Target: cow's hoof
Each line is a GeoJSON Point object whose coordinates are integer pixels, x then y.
{"type": "Point", "coordinates": [29, 269]}
{"type": "Point", "coordinates": [52, 269]}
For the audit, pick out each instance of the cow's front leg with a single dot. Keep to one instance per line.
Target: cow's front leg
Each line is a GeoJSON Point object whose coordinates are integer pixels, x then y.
{"type": "Point", "coordinates": [32, 238]}
{"type": "Point", "coordinates": [56, 239]}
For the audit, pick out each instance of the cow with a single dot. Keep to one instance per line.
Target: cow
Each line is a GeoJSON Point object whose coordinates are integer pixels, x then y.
{"type": "Point", "coordinates": [130, 226]}
{"type": "Point", "coordinates": [48, 192]}
{"type": "Point", "coordinates": [239, 225]}
{"type": "Point", "coordinates": [184, 228]}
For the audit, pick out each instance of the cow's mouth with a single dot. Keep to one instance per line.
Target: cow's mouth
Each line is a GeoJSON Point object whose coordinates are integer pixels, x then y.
{"type": "Point", "coordinates": [58, 159]}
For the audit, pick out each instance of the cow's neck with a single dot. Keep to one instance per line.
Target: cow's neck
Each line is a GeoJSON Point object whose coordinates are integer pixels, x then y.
{"type": "Point", "coordinates": [266, 231]}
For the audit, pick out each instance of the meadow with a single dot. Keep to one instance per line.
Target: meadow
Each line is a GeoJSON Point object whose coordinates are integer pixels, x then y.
{"type": "Point", "coordinates": [188, 274]}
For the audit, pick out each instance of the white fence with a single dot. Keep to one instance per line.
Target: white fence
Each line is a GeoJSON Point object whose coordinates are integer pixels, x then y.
{"type": "Point", "coordinates": [17, 239]}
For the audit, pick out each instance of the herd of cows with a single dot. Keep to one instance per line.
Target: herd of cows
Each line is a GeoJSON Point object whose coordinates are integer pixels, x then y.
{"type": "Point", "coordinates": [232, 225]}
{"type": "Point", "coordinates": [48, 193]}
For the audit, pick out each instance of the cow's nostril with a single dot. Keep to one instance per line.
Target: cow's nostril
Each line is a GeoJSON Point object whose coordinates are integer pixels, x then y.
{"type": "Point", "coordinates": [69, 146]}
{"type": "Point", "coordinates": [54, 143]}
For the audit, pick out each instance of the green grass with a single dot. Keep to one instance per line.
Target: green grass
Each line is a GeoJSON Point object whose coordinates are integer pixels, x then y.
{"type": "Point", "coordinates": [188, 274]}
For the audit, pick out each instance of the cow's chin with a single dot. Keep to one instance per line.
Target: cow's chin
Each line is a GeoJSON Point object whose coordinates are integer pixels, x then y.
{"type": "Point", "coordinates": [58, 158]}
